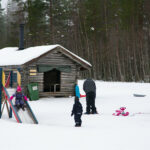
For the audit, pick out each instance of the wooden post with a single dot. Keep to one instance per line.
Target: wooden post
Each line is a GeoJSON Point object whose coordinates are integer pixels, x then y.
{"type": "Point", "coordinates": [11, 79]}
{"type": "Point", "coordinates": [1, 70]}
{"type": "Point", "coordinates": [11, 85]}
{"type": "Point", "coordinates": [10, 112]}
{"type": "Point", "coordinates": [18, 77]}
{"type": "Point", "coordinates": [3, 78]}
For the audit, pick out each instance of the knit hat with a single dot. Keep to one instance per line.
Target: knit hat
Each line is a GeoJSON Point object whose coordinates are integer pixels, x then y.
{"type": "Point", "coordinates": [19, 89]}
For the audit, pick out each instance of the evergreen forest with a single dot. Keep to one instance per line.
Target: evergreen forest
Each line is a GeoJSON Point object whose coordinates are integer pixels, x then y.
{"type": "Point", "coordinates": [113, 35]}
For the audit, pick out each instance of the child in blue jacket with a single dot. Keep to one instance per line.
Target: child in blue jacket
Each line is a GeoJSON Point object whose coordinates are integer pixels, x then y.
{"type": "Point", "coordinates": [77, 91]}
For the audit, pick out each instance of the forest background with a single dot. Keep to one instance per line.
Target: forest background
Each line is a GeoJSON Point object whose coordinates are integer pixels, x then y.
{"type": "Point", "coordinates": [113, 35]}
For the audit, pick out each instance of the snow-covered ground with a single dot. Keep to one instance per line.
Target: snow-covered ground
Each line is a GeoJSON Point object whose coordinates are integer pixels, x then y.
{"type": "Point", "coordinates": [104, 131]}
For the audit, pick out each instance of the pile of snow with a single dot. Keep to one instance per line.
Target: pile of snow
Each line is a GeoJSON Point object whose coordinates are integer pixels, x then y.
{"type": "Point", "coordinates": [104, 131]}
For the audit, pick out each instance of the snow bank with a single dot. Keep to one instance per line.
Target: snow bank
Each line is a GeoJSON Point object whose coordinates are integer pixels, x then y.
{"type": "Point", "coordinates": [104, 131]}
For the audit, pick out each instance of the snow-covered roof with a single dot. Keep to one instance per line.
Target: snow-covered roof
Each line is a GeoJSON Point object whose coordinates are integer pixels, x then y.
{"type": "Point", "coordinates": [12, 56]}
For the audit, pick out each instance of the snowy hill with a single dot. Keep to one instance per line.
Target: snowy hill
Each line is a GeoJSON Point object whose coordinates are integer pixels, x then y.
{"type": "Point", "coordinates": [104, 131]}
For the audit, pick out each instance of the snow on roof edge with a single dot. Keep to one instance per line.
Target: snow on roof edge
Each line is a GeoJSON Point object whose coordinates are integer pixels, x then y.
{"type": "Point", "coordinates": [13, 56]}
{"type": "Point", "coordinates": [76, 55]}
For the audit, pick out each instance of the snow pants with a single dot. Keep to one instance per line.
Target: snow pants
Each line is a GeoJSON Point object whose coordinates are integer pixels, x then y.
{"type": "Point", "coordinates": [90, 102]}
{"type": "Point", "coordinates": [77, 119]}
{"type": "Point", "coordinates": [19, 102]}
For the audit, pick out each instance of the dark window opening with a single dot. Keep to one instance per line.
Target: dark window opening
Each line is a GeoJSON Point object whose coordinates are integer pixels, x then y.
{"type": "Point", "coordinates": [52, 81]}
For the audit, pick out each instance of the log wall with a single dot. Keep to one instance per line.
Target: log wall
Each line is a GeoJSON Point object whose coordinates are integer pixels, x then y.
{"type": "Point", "coordinates": [68, 80]}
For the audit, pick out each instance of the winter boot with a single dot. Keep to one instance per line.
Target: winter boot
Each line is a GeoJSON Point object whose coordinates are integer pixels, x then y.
{"type": "Point", "coordinates": [94, 112]}
{"type": "Point", "coordinates": [17, 107]}
{"type": "Point", "coordinates": [86, 113]}
{"type": "Point", "coordinates": [23, 108]}
{"type": "Point", "coordinates": [77, 125]}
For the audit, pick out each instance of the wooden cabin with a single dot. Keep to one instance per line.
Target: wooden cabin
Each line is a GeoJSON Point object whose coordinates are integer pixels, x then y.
{"type": "Point", "coordinates": [53, 67]}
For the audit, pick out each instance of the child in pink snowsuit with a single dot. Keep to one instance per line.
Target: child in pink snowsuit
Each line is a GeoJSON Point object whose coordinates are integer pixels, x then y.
{"type": "Point", "coordinates": [19, 102]}
{"type": "Point", "coordinates": [121, 112]}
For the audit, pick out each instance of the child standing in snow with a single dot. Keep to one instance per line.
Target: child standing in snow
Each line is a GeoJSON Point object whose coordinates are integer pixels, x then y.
{"type": "Point", "coordinates": [77, 112]}
{"type": "Point", "coordinates": [19, 102]}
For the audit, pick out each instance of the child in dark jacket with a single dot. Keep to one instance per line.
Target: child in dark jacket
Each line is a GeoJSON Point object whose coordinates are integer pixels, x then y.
{"type": "Point", "coordinates": [77, 112]}
{"type": "Point", "coordinates": [19, 102]}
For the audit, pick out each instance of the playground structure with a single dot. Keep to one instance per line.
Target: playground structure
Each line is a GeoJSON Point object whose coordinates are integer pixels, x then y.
{"type": "Point", "coordinates": [21, 116]}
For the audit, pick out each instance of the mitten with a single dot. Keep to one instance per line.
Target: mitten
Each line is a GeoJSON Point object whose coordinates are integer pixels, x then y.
{"type": "Point", "coordinates": [25, 98]}
{"type": "Point", "coordinates": [11, 98]}
{"type": "Point", "coordinates": [82, 95]}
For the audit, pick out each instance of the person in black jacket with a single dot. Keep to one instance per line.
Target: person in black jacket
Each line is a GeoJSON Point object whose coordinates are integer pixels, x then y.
{"type": "Point", "coordinates": [77, 112]}
{"type": "Point", "coordinates": [90, 89]}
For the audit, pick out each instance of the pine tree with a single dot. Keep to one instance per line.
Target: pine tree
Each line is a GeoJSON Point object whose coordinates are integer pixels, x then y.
{"type": "Point", "coordinates": [2, 27]}
{"type": "Point", "coordinates": [36, 23]}
{"type": "Point", "coordinates": [15, 17]}
{"type": "Point", "coordinates": [112, 35]}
